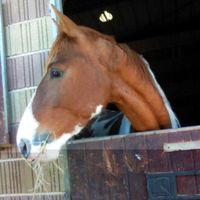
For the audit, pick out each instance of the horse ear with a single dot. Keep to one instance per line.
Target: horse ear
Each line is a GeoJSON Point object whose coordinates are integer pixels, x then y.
{"type": "Point", "coordinates": [66, 24]}
{"type": "Point", "coordinates": [58, 26]}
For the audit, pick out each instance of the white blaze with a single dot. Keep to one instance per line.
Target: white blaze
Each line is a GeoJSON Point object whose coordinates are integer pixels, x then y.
{"type": "Point", "coordinates": [28, 125]}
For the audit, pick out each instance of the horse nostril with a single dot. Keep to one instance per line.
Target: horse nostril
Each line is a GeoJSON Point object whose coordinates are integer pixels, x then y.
{"type": "Point", "coordinates": [25, 148]}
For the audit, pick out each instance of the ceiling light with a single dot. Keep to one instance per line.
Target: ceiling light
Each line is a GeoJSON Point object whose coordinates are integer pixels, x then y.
{"type": "Point", "coordinates": [105, 16]}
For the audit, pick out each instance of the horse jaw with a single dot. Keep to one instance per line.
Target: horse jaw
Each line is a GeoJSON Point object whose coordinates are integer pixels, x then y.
{"type": "Point", "coordinates": [28, 129]}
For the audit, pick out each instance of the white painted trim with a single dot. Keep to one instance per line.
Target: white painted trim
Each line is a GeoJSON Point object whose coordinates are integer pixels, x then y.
{"type": "Point", "coordinates": [9, 160]}
{"type": "Point", "coordinates": [28, 54]}
{"type": "Point", "coordinates": [23, 89]}
{"type": "Point", "coordinates": [181, 146]}
{"type": "Point", "coordinates": [27, 21]}
{"type": "Point", "coordinates": [31, 194]}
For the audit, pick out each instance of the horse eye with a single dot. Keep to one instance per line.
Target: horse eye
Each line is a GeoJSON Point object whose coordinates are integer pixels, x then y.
{"type": "Point", "coordinates": [56, 73]}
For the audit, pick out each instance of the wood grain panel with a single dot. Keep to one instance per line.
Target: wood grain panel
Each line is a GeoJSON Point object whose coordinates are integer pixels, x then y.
{"type": "Point", "coordinates": [16, 177]}
{"type": "Point", "coordinates": [97, 178]}
{"type": "Point", "coordinates": [115, 169]}
{"type": "Point", "coordinates": [29, 36]}
{"type": "Point", "coordinates": [2, 130]}
{"type": "Point", "coordinates": [22, 10]}
{"type": "Point", "coordinates": [26, 71]}
{"type": "Point", "coordinates": [136, 160]}
{"type": "Point", "coordinates": [138, 167]}
{"type": "Point", "coordinates": [19, 100]}
{"type": "Point", "coordinates": [79, 182]}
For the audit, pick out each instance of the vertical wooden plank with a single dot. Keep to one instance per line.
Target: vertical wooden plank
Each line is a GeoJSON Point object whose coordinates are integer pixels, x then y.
{"type": "Point", "coordinates": [47, 33]}
{"type": "Point", "coordinates": [32, 9]}
{"type": "Point", "coordinates": [26, 179]}
{"type": "Point", "coordinates": [3, 177]}
{"type": "Point", "coordinates": [37, 65]}
{"type": "Point", "coordinates": [46, 8]}
{"type": "Point", "coordinates": [27, 72]}
{"type": "Point", "coordinates": [115, 169]}
{"type": "Point", "coordinates": [30, 61]}
{"type": "Point", "coordinates": [29, 36]}
{"type": "Point", "coordinates": [96, 171]}
{"type": "Point", "coordinates": [8, 41]}
{"type": "Point", "coordinates": [34, 31]}
{"type": "Point", "coordinates": [13, 132]}
{"type": "Point", "coordinates": [16, 39]}
{"type": "Point", "coordinates": [2, 123]}
{"type": "Point", "coordinates": [14, 73]}
{"type": "Point", "coordinates": [79, 185]}
{"type": "Point", "coordinates": [136, 160]}
{"type": "Point", "coordinates": [15, 11]}
{"type": "Point", "coordinates": [24, 31]}
{"type": "Point", "coordinates": [12, 107]}
{"type": "Point", "coordinates": [158, 160]}
{"type": "Point", "coordinates": [22, 11]}
{"type": "Point", "coordinates": [183, 161]}
{"type": "Point", "coordinates": [20, 78]}
{"type": "Point", "coordinates": [9, 73]}
{"type": "Point", "coordinates": [196, 156]}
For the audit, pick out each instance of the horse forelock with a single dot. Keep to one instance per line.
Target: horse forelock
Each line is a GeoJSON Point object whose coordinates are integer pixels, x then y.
{"type": "Point", "coordinates": [58, 45]}
{"type": "Point", "coordinates": [134, 60]}
{"type": "Point", "coordinates": [174, 120]}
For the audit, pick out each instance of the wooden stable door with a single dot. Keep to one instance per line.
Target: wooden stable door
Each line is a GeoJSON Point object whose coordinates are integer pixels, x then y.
{"type": "Point", "coordinates": [160, 165]}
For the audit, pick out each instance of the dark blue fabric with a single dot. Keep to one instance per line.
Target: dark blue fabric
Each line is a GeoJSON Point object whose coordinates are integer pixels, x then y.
{"type": "Point", "coordinates": [107, 123]}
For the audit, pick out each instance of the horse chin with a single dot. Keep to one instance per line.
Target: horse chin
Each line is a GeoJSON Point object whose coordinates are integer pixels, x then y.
{"type": "Point", "coordinates": [46, 155]}
{"type": "Point", "coordinates": [51, 151]}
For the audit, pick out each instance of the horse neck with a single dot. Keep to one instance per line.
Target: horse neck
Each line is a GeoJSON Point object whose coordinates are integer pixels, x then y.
{"type": "Point", "coordinates": [138, 95]}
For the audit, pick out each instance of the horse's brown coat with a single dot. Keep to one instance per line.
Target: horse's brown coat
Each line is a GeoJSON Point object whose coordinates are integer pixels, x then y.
{"type": "Point", "coordinates": [97, 71]}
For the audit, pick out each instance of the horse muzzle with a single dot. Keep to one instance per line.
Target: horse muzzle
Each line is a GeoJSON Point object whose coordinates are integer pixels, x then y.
{"type": "Point", "coordinates": [39, 141]}
{"type": "Point", "coordinates": [33, 144]}
{"type": "Point", "coordinates": [36, 145]}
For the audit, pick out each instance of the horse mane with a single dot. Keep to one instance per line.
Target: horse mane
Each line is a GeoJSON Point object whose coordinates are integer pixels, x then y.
{"type": "Point", "coordinates": [145, 73]}
{"type": "Point", "coordinates": [134, 59]}
{"type": "Point", "coordinates": [174, 120]}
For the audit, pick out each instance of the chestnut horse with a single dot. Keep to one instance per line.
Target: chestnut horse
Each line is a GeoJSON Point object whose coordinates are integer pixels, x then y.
{"type": "Point", "coordinates": [87, 70]}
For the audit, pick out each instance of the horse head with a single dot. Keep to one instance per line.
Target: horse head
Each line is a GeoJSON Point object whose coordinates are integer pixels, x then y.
{"type": "Point", "coordinates": [86, 70]}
